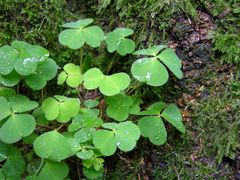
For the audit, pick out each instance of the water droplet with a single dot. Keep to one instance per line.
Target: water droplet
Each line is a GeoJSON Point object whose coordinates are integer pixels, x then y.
{"type": "Point", "coordinates": [118, 143]}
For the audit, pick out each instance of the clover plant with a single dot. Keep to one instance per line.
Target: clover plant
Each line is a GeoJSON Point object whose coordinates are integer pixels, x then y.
{"type": "Point", "coordinates": [36, 140]}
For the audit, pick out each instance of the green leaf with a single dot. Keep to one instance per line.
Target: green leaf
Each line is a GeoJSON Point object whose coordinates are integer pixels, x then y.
{"type": "Point", "coordinates": [20, 103]}
{"type": "Point", "coordinates": [110, 126]}
{"type": "Point", "coordinates": [8, 57]}
{"type": "Point", "coordinates": [56, 146]}
{"type": "Point", "coordinates": [114, 84]}
{"type": "Point", "coordinates": [50, 107]}
{"type": "Point", "coordinates": [85, 154]}
{"type": "Point", "coordinates": [29, 139]}
{"type": "Point", "coordinates": [26, 65]}
{"type": "Point", "coordinates": [71, 74]}
{"type": "Point", "coordinates": [127, 135]}
{"type": "Point", "coordinates": [17, 127]}
{"type": "Point", "coordinates": [149, 70]}
{"type": "Point", "coordinates": [93, 78]}
{"type": "Point", "coordinates": [5, 109]}
{"type": "Point", "coordinates": [151, 51]}
{"type": "Point", "coordinates": [173, 115]}
{"type": "Point", "coordinates": [53, 171]}
{"type": "Point", "coordinates": [91, 173]}
{"type": "Point", "coordinates": [119, 113]}
{"type": "Point", "coordinates": [116, 41]}
{"type": "Point", "coordinates": [108, 85]}
{"type": "Point", "coordinates": [94, 35]}
{"type": "Point", "coordinates": [61, 108]}
{"type": "Point", "coordinates": [44, 72]}
{"type": "Point", "coordinates": [154, 109]}
{"type": "Point", "coordinates": [124, 136]}
{"type": "Point", "coordinates": [87, 118]}
{"type": "Point", "coordinates": [47, 69]}
{"type": "Point", "coordinates": [6, 92]}
{"type": "Point", "coordinates": [14, 165]}
{"type": "Point", "coordinates": [126, 46]}
{"type": "Point", "coordinates": [123, 32]}
{"type": "Point", "coordinates": [153, 128]}
{"type": "Point", "coordinates": [105, 141]}
{"type": "Point", "coordinates": [10, 80]}
{"type": "Point", "coordinates": [89, 103]}
{"type": "Point", "coordinates": [98, 164]}
{"type": "Point", "coordinates": [78, 34]}
{"type": "Point", "coordinates": [120, 106]}
{"type": "Point", "coordinates": [68, 109]}
{"type": "Point", "coordinates": [30, 51]}
{"type": "Point", "coordinates": [73, 38]}
{"type": "Point", "coordinates": [78, 24]}
{"type": "Point", "coordinates": [35, 82]}
{"type": "Point", "coordinates": [62, 78]}
{"type": "Point", "coordinates": [84, 134]}
{"type": "Point", "coordinates": [171, 60]}
{"type": "Point", "coordinates": [4, 151]}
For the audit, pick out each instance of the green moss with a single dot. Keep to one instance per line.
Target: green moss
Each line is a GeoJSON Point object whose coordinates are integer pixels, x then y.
{"type": "Point", "coordinates": [149, 18]}
{"type": "Point", "coordinates": [226, 37]}
{"type": "Point", "coordinates": [218, 121]}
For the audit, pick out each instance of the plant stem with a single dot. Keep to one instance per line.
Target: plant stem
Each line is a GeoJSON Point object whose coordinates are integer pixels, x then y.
{"type": "Point", "coordinates": [42, 94]}
{"type": "Point", "coordinates": [18, 88]}
{"type": "Point", "coordinates": [81, 59]}
{"type": "Point", "coordinates": [111, 63]}
{"type": "Point", "coordinates": [40, 167]}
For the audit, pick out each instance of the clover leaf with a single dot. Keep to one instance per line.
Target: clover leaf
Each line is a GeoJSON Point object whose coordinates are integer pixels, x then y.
{"type": "Point", "coordinates": [5, 109]}
{"type": "Point", "coordinates": [11, 79]}
{"type": "Point", "coordinates": [152, 126]}
{"type": "Point", "coordinates": [56, 146]}
{"type": "Point", "coordinates": [87, 118]}
{"type": "Point", "coordinates": [71, 74]}
{"type": "Point", "coordinates": [152, 70]}
{"type": "Point", "coordinates": [28, 58]}
{"type": "Point", "coordinates": [30, 61]}
{"type": "Point", "coordinates": [108, 85]}
{"type": "Point", "coordinates": [7, 59]}
{"type": "Point", "coordinates": [79, 33]}
{"type": "Point", "coordinates": [92, 173]}
{"type": "Point", "coordinates": [105, 141]}
{"type": "Point", "coordinates": [14, 164]}
{"type": "Point", "coordinates": [149, 70]}
{"type": "Point", "coordinates": [117, 41]}
{"type": "Point", "coordinates": [124, 136]}
{"type": "Point", "coordinates": [151, 51]}
{"type": "Point", "coordinates": [85, 154]}
{"type": "Point", "coordinates": [15, 126]}
{"type": "Point", "coordinates": [20, 103]}
{"type": "Point", "coordinates": [120, 106]}
{"type": "Point", "coordinates": [60, 108]}
{"type": "Point", "coordinates": [154, 109]}
{"type": "Point", "coordinates": [84, 134]}
{"type": "Point", "coordinates": [45, 71]}
{"type": "Point", "coordinates": [173, 115]}
{"type": "Point", "coordinates": [53, 170]}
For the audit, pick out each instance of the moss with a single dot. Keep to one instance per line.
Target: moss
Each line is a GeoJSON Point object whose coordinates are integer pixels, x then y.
{"type": "Point", "coordinates": [149, 18]}
{"type": "Point", "coordinates": [217, 119]}
{"type": "Point", "coordinates": [226, 37]}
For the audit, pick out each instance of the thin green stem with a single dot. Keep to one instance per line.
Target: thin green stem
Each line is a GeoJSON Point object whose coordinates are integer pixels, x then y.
{"type": "Point", "coordinates": [18, 88]}
{"type": "Point", "coordinates": [42, 94]}
{"type": "Point", "coordinates": [81, 59]}
{"type": "Point", "coordinates": [132, 89]}
{"type": "Point", "coordinates": [40, 167]}
{"type": "Point", "coordinates": [111, 63]}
